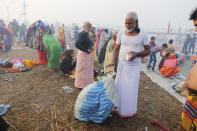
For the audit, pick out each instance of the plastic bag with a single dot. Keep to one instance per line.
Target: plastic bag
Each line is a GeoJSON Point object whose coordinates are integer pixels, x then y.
{"type": "Point", "coordinates": [96, 101]}
{"type": "Point", "coordinates": [67, 89]}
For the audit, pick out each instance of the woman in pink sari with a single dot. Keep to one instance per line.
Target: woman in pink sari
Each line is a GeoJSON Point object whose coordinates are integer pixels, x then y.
{"type": "Point", "coordinates": [85, 61]}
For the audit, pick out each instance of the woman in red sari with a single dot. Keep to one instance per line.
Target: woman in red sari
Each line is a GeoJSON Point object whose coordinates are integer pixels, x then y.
{"type": "Point", "coordinates": [41, 48]}
{"type": "Point", "coordinates": [169, 67]}
{"type": "Point", "coordinates": [33, 40]}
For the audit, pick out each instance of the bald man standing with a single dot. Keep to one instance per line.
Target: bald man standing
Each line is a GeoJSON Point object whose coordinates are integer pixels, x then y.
{"type": "Point", "coordinates": [85, 61]}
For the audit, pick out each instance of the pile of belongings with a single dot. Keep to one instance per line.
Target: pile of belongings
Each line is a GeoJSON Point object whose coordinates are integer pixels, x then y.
{"type": "Point", "coordinates": [96, 101]}
{"type": "Point", "coordinates": [180, 88]}
{"type": "Point", "coordinates": [5, 39]}
{"type": "Point", "coordinates": [73, 75]}
{"type": "Point", "coordinates": [16, 65]}
{"type": "Point", "coordinates": [5, 64]}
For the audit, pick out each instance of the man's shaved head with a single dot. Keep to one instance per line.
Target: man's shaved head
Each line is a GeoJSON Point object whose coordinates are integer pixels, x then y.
{"type": "Point", "coordinates": [87, 26]}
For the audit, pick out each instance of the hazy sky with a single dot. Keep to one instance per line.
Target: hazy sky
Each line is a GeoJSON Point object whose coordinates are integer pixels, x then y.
{"type": "Point", "coordinates": [151, 13]}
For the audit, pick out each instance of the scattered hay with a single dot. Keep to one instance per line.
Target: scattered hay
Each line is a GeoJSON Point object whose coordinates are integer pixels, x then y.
{"type": "Point", "coordinates": [38, 104]}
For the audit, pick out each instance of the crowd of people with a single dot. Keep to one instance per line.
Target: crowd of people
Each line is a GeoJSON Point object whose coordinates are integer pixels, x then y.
{"type": "Point", "coordinates": [5, 40]}
{"type": "Point", "coordinates": [123, 50]}
{"type": "Point", "coordinates": [11, 33]}
{"type": "Point", "coordinates": [168, 65]}
{"type": "Point", "coordinates": [115, 51]}
{"type": "Point", "coordinates": [171, 57]}
{"type": "Point", "coordinates": [17, 30]}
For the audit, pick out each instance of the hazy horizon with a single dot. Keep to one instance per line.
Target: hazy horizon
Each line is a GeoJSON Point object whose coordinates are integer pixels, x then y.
{"type": "Point", "coordinates": [151, 13]}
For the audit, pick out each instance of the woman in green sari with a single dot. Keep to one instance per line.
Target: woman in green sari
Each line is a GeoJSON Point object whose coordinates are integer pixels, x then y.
{"type": "Point", "coordinates": [53, 51]}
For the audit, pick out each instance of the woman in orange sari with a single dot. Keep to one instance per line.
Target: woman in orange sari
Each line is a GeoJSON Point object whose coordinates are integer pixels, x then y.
{"type": "Point", "coordinates": [169, 67]}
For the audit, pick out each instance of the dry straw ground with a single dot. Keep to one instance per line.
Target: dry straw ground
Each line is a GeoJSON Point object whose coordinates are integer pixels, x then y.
{"type": "Point", "coordinates": [38, 104]}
